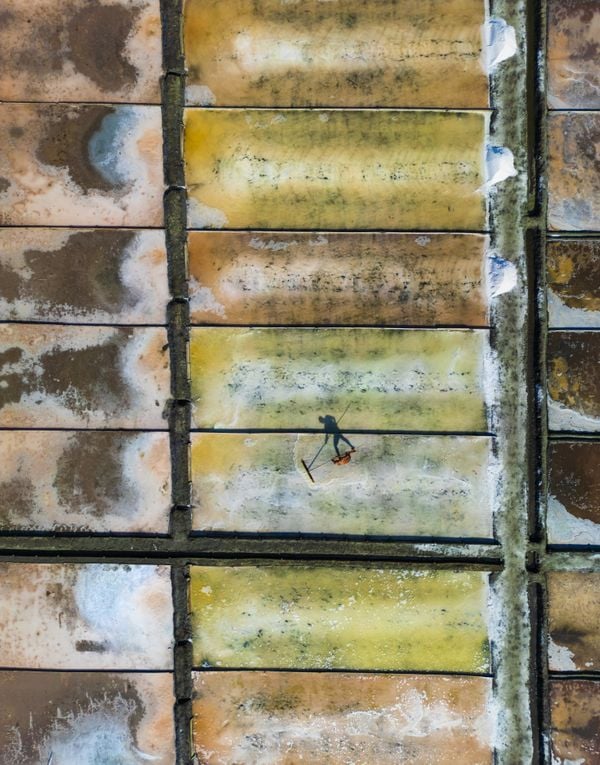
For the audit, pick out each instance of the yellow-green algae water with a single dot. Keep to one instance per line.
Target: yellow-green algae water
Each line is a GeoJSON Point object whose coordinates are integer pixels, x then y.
{"type": "Point", "coordinates": [432, 380]}
{"type": "Point", "coordinates": [347, 617]}
{"type": "Point", "coordinates": [335, 169]}
{"type": "Point", "coordinates": [395, 485]}
{"type": "Point", "coordinates": [341, 52]}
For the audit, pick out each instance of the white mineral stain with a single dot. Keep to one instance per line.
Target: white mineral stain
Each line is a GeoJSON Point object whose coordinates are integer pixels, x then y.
{"type": "Point", "coordinates": [107, 145]}
{"type": "Point", "coordinates": [564, 528]}
{"type": "Point", "coordinates": [561, 418]}
{"type": "Point", "coordinates": [203, 300]}
{"type": "Point", "coordinates": [199, 95]}
{"type": "Point", "coordinates": [560, 658]}
{"type": "Point", "coordinates": [203, 216]}
{"type": "Point", "coordinates": [143, 272]}
{"type": "Point", "coordinates": [560, 315]}
{"type": "Point", "coordinates": [260, 243]}
{"type": "Point", "coordinates": [490, 370]}
{"type": "Point", "coordinates": [562, 761]}
{"type": "Point", "coordinates": [64, 82]}
{"type": "Point", "coordinates": [264, 53]}
{"type": "Point", "coordinates": [578, 76]}
{"type": "Point", "coordinates": [572, 214]}
{"type": "Point", "coordinates": [127, 151]}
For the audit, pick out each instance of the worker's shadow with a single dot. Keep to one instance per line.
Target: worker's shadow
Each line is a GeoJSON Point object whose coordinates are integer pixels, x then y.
{"type": "Point", "coordinates": [331, 428]}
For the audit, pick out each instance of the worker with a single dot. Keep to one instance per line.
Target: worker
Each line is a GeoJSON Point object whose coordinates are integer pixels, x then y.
{"type": "Point", "coordinates": [333, 429]}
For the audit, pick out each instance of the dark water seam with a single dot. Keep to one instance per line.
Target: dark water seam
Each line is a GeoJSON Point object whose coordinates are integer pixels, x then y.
{"type": "Point", "coordinates": [175, 212]}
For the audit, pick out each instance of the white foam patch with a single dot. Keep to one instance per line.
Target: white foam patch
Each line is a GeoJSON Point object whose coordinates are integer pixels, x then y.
{"type": "Point", "coordinates": [499, 166]}
{"type": "Point", "coordinates": [386, 731]}
{"type": "Point", "coordinates": [422, 376]}
{"type": "Point", "coordinates": [146, 468]}
{"type": "Point", "coordinates": [143, 51]}
{"type": "Point", "coordinates": [144, 273]}
{"type": "Point", "coordinates": [200, 95]}
{"type": "Point", "coordinates": [490, 377]}
{"type": "Point", "coordinates": [560, 658]}
{"type": "Point", "coordinates": [250, 276]}
{"type": "Point", "coordinates": [499, 43]}
{"type": "Point", "coordinates": [145, 369]}
{"type": "Point", "coordinates": [203, 300]}
{"type": "Point", "coordinates": [96, 738]}
{"type": "Point", "coordinates": [127, 147]}
{"type": "Point", "coordinates": [264, 52]}
{"type": "Point", "coordinates": [561, 315]}
{"type": "Point", "coordinates": [258, 243]}
{"type": "Point", "coordinates": [203, 216]}
{"type": "Point", "coordinates": [118, 603]}
{"type": "Point", "coordinates": [502, 275]}
{"type": "Point", "coordinates": [561, 418]}
{"type": "Point", "coordinates": [564, 528]}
